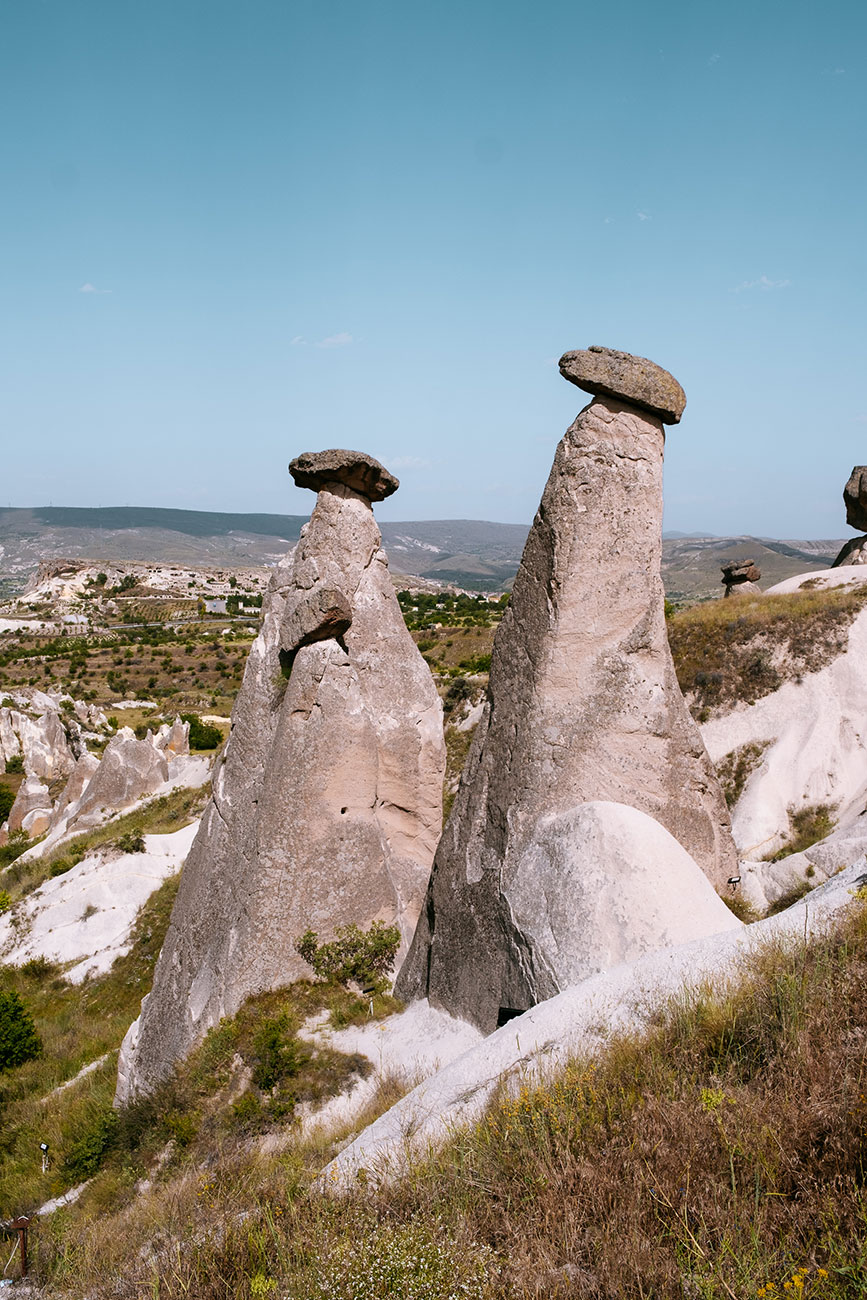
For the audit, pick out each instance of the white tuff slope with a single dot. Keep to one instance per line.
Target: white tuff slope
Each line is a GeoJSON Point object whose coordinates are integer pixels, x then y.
{"type": "Point", "coordinates": [577, 1021]}
{"type": "Point", "coordinates": [86, 916]}
{"type": "Point", "coordinates": [815, 733]}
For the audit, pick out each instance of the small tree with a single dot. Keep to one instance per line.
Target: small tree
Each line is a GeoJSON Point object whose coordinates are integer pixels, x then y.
{"type": "Point", "coordinates": [19, 1041]}
{"type": "Point", "coordinates": [354, 955]}
{"type": "Point", "coordinates": [7, 799]}
{"type": "Point", "coordinates": [202, 734]}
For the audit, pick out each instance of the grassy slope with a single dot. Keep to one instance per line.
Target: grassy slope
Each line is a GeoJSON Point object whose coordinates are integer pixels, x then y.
{"type": "Point", "coordinates": [734, 650]}
{"type": "Point", "coordinates": [722, 1154]}
{"type": "Point", "coordinates": [712, 1160]}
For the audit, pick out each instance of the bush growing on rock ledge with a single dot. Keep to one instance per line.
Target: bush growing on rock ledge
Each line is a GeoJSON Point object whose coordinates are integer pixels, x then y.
{"type": "Point", "coordinates": [353, 956]}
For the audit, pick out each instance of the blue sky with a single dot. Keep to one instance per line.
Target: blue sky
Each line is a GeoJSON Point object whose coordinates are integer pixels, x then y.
{"type": "Point", "coordinates": [231, 232]}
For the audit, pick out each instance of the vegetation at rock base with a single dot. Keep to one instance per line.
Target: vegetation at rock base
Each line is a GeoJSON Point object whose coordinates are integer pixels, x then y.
{"type": "Point", "coordinates": [722, 1153]}
{"type": "Point", "coordinates": [739, 650]}
{"type": "Point", "coordinates": [353, 956]}
{"type": "Point", "coordinates": [806, 827]}
{"type": "Point", "coordinates": [247, 1078]}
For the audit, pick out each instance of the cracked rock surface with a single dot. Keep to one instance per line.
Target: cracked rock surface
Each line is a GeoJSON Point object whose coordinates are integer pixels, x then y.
{"type": "Point", "coordinates": [583, 706]}
{"type": "Point", "coordinates": [327, 807]}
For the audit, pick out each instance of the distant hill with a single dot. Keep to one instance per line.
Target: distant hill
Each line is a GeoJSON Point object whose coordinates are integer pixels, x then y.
{"type": "Point", "coordinates": [469, 553]}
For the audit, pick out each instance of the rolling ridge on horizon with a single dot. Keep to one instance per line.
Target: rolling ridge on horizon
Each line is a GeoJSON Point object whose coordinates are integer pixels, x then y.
{"type": "Point", "coordinates": [473, 553]}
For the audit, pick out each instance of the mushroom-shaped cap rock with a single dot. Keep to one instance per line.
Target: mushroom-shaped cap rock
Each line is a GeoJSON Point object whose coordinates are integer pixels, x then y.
{"type": "Point", "coordinates": [607, 373]}
{"type": "Point", "coordinates": [354, 469]}
{"type": "Point", "coordinates": [855, 497]}
{"type": "Point", "coordinates": [740, 571]}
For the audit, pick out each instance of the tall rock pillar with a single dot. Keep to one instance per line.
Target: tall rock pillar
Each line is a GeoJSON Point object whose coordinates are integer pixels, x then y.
{"type": "Point", "coordinates": [584, 709]}
{"type": "Point", "coordinates": [327, 806]}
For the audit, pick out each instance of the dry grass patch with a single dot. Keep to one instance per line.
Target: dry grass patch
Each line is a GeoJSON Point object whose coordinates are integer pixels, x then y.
{"type": "Point", "coordinates": [722, 1154]}
{"type": "Point", "coordinates": [726, 651]}
{"type": "Point", "coordinates": [806, 827]}
{"type": "Point", "coordinates": [736, 768]}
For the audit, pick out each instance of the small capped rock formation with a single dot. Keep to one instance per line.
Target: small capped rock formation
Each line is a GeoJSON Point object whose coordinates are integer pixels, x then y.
{"type": "Point", "coordinates": [328, 805]}
{"type": "Point", "coordinates": [741, 578]}
{"type": "Point", "coordinates": [584, 710]}
{"type": "Point", "coordinates": [855, 500]}
{"type": "Point", "coordinates": [608, 373]}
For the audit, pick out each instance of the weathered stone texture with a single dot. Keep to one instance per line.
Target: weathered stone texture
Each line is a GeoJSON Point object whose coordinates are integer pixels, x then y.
{"type": "Point", "coordinates": [741, 578]}
{"type": "Point", "coordinates": [854, 552]}
{"type": "Point", "coordinates": [583, 706]}
{"type": "Point", "coordinates": [606, 372]}
{"type": "Point", "coordinates": [328, 805]}
{"type": "Point", "coordinates": [855, 498]}
{"type": "Point", "coordinates": [354, 469]}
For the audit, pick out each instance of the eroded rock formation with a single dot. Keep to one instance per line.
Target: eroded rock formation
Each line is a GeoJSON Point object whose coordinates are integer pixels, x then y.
{"type": "Point", "coordinates": [855, 500]}
{"type": "Point", "coordinates": [583, 706]}
{"type": "Point", "coordinates": [741, 578]}
{"type": "Point", "coordinates": [328, 805]}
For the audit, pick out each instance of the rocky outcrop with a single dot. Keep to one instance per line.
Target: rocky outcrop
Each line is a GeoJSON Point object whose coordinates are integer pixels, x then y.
{"type": "Point", "coordinates": [583, 706]}
{"type": "Point", "coordinates": [741, 578]}
{"type": "Point", "coordinates": [608, 373]}
{"type": "Point", "coordinates": [31, 811]}
{"type": "Point", "coordinates": [75, 787]}
{"type": "Point", "coordinates": [42, 743]}
{"type": "Point", "coordinates": [130, 770]}
{"type": "Point", "coordinates": [805, 744]}
{"type": "Point", "coordinates": [172, 740]}
{"type": "Point", "coordinates": [855, 501]}
{"type": "Point", "coordinates": [328, 805]}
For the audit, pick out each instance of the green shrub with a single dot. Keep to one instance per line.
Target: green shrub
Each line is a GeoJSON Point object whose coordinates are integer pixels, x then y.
{"type": "Point", "coordinates": [131, 843]}
{"type": "Point", "coordinates": [7, 799]}
{"type": "Point", "coordinates": [90, 1147]}
{"type": "Point", "coordinates": [353, 955]}
{"type": "Point", "coordinates": [19, 1041]}
{"type": "Point", "coordinates": [247, 1110]}
{"type": "Point", "coordinates": [202, 734]}
{"type": "Point", "coordinates": [183, 1126]}
{"type": "Point", "coordinates": [5, 901]}
{"type": "Point", "coordinates": [806, 827]}
{"type": "Point", "coordinates": [15, 764]}
{"type": "Point", "coordinates": [476, 664]}
{"type": "Point", "coordinates": [18, 843]}
{"type": "Point", "coordinates": [277, 1056]}
{"type": "Point", "coordinates": [38, 969]}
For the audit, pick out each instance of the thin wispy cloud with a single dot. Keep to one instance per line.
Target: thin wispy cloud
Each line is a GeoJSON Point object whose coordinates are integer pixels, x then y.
{"type": "Point", "coordinates": [336, 341]}
{"type": "Point", "coordinates": [298, 340]}
{"type": "Point", "coordinates": [644, 216]}
{"type": "Point", "coordinates": [764, 283]}
{"type": "Point", "coordinates": [91, 288]}
{"type": "Point", "coordinates": [714, 58]}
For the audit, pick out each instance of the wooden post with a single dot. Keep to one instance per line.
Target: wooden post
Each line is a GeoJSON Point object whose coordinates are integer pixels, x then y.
{"type": "Point", "coordinates": [21, 1225]}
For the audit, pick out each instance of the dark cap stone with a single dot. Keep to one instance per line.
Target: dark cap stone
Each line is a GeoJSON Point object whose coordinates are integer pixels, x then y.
{"type": "Point", "coordinates": [608, 373]}
{"type": "Point", "coordinates": [322, 469]}
{"type": "Point", "coordinates": [855, 497]}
